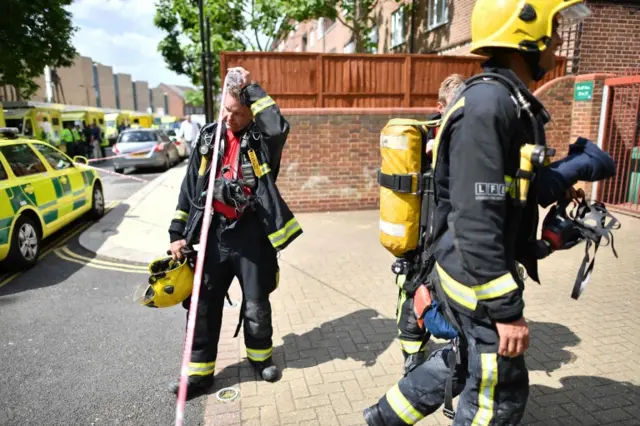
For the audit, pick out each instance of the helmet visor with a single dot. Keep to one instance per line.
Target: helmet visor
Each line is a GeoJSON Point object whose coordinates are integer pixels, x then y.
{"type": "Point", "coordinates": [143, 294]}
{"type": "Point", "coordinates": [575, 14]}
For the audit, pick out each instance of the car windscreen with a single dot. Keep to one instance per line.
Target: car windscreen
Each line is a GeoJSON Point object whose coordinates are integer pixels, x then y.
{"type": "Point", "coordinates": [130, 137]}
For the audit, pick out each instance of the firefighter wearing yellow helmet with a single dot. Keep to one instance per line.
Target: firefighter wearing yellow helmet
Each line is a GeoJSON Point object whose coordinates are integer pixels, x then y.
{"type": "Point", "coordinates": [170, 283]}
{"type": "Point", "coordinates": [490, 145]}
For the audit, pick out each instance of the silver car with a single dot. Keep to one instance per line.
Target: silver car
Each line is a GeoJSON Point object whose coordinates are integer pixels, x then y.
{"type": "Point", "coordinates": [144, 148]}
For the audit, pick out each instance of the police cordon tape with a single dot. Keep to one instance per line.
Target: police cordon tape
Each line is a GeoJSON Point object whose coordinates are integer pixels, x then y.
{"type": "Point", "coordinates": [109, 172]}
{"type": "Point", "coordinates": [92, 160]}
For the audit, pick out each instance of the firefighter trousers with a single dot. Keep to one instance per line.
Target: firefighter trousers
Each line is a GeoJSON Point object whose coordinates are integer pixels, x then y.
{"type": "Point", "coordinates": [411, 336]}
{"type": "Point", "coordinates": [493, 389]}
{"type": "Point", "coordinates": [243, 251]}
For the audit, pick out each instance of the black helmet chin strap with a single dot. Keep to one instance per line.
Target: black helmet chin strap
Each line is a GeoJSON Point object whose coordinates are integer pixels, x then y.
{"type": "Point", "coordinates": [594, 223]}
{"type": "Point", "coordinates": [533, 61]}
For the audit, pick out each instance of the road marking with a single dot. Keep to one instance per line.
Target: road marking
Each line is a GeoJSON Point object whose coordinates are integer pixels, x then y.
{"type": "Point", "coordinates": [59, 241]}
{"type": "Point", "coordinates": [96, 264]}
{"type": "Point", "coordinates": [65, 250]}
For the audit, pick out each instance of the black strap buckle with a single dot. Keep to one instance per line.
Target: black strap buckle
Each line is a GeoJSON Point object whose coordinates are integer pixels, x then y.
{"type": "Point", "coordinates": [450, 414]}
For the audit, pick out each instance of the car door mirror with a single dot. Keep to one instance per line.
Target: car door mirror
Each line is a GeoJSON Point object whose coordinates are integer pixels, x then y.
{"type": "Point", "coordinates": [79, 159]}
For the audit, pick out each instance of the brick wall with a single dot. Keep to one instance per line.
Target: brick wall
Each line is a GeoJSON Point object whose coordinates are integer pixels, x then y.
{"type": "Point", "coordinates": [142, 96]}
{"type": "Point", "coordinates": [125, 91]}
{"type": "Point", "coordinates": [77, 82]}
{"type": "Point", "coordinates": [107, 89]}
{"type": "Point", "coordinates": [331, 158]}
{"type": "Point", "coordinates": [610, 40]}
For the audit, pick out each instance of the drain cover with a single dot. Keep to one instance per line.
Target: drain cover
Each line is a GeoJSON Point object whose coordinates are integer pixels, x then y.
{"type": "Point", "coordinates": [227, 394]}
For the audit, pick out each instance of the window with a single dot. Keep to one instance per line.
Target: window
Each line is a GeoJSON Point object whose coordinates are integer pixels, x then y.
{"type": "Point", "coordinates": [22, 160]}
{"type": "Point", "coordinates": [349, 47]}
{"type": "Point", "coordinates": [55, 159]}
{"type": "Point", "coordinates": [438, 13]}
{"type": "Point", "coordinates": [312, 38]}
{"type": "Point", "coordinates": [324, 24]}
{"type": "Point", "coordinates": [137, 136]}
{"type": "Point", "coordinates": [55, 121]}
{"type": "Point", "coordinates": [3, 173]}
{"type": "Point", "coordinates": [397, 27]}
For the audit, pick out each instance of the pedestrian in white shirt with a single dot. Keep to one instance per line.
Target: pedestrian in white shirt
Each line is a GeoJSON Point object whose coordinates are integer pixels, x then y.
{"type": "Point", "coordinates": [189, 132]}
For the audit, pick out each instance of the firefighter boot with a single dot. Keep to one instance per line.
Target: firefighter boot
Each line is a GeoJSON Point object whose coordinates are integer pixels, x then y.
{"type": "Point", "coordinates": [411, 361]}
{"type": "Point", "coordinates": [372, 416]}
{"type": "Point", "coordinates": [267, 370]}
{"type": "Point", "coordinates": [195, 385]}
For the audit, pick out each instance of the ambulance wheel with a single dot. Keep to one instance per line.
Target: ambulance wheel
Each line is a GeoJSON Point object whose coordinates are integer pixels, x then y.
{"type": "Point", "coordinates": [25, 244]}
{"type": "Point", "coordinates": [97, 202]}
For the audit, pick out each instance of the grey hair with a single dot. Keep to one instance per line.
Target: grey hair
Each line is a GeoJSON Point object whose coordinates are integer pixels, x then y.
{"type": "Point", "coordinates": [234, 84]}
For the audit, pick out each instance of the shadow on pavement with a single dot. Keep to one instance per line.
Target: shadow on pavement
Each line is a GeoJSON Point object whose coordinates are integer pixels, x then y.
{"type": "Point", "coordinates": [52, 269]}
{"type": "Point", "coordinates": [584, 400]}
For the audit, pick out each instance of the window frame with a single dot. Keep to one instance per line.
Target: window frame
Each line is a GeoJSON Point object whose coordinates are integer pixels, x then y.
{"type": "Point", "coordinates": [433, 19]}
{"type": "Point", "coordinates": [395, 22]}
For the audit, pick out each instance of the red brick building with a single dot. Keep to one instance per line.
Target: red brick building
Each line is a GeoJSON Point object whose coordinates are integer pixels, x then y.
{"type": "Point", "coordinates": [606, 42]}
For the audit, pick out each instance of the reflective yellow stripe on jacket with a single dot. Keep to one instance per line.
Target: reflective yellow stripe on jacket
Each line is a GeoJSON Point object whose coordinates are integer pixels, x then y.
{"type": "Point", "coordinates": [181, 215]}
{"type": "Point", "coordinates": [281, 236]}
{"type": "Point", "coordinates": [262, 104]}
{"type": "Point", "coordinates": [469, 296]}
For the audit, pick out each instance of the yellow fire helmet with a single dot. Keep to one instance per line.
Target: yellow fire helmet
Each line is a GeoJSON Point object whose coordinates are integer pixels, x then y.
{"type": "Point", "coordinates": [525, 25]}
{"type": "Point", "coordinates": [170, 283]}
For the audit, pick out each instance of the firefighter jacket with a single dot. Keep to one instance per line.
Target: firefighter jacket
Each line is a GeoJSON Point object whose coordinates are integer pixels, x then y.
{"type": "Point", "coordinates": [267, 135]}
{"type": "Point", "coordinates": [482, 232]}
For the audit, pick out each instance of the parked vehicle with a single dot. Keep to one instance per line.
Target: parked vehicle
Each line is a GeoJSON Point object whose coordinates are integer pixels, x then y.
{"type": "Point", "coordinates": [144, 148]}
{"type": "Point", "coordinates": [41, 191]}
{"type": "Point", "coordinates": [178, 142]}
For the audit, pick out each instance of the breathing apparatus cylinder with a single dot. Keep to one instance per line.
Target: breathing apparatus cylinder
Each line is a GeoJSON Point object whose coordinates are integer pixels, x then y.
{"type": "Point", "coordinates": [531, 156]}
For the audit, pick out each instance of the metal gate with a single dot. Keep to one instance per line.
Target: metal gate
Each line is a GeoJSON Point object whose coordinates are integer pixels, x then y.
{"type": "Point", "coordinates": [620, 137]}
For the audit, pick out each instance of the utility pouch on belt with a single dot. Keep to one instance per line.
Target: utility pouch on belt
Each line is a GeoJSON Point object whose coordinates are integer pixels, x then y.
{"type": "Point", "coordinates": [403, 183]}
{"type": "Point", "coordinates": [429, 315]}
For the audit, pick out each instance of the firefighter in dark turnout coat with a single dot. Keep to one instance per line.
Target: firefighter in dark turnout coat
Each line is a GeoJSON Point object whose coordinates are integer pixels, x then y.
{"type": "Point", "coordinates": [483, 227]}
{"type": "Point", "coordinates": [251, 223]}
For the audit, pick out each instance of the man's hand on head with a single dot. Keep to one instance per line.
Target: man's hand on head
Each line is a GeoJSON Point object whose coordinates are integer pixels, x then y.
{"type": "Point", "coordinates": [246, 75]}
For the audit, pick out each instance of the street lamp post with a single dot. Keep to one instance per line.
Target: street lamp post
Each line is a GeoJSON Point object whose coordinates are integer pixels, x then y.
{"type": "Point", "coordinates": [205, 81]}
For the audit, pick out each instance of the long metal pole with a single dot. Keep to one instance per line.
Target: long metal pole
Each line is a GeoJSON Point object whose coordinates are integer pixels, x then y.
{"type": "Point", "coordinates": [209, 91]}
{"type": "Point", "coordinates": [203, 55]}
{"type": "Point", "coordinates": [197, 279]}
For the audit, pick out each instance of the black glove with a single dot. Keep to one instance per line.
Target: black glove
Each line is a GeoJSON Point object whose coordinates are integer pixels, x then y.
{"type": "Point", "coordinates": [559, 232]}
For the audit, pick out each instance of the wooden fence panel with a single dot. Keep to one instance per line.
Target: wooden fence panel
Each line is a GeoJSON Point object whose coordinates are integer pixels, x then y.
{"type": "Point", "coordinates": [308, 80]}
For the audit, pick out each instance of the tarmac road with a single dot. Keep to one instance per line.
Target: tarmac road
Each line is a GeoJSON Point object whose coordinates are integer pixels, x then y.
{"type": "Point", "coordinates": [76, 350]}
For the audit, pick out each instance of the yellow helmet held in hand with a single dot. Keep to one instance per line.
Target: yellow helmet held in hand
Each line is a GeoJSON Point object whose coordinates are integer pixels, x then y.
{"type": "Point", "coordinates": [170, 283]}
{"type": "Point", "coordinates": [524, 25]}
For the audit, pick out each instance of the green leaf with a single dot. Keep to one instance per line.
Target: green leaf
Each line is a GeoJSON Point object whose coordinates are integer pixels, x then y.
{"type": "Point", "coordinates": [33, 34]}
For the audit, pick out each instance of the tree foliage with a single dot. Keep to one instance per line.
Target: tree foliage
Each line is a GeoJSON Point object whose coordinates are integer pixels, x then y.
{"type": "Point", "coordinates": [235, 25]}
{"type": "Point", "coordinates": [194, 97]}
{"type": "Point", "coordinates": [33, 34]}
{"type": "Point", "coordinates": [359, 16]}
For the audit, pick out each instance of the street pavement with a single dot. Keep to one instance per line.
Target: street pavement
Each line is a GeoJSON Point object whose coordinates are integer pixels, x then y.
{"type": "Point", "coordinates": [96, 355]}
{"type": "Point", "coordinates": [75, 349]}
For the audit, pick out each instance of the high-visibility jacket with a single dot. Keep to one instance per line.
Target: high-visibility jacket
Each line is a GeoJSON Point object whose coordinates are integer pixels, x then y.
{"type": "Point", "coordinates": [268, 133]}
{"type": "Point", "coordinates": [66, 135]}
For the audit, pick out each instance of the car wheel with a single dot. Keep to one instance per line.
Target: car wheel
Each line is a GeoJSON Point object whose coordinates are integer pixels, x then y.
{"type": "Point", "coordinates": [118, 170]}
{"type": "Point", "coordinates": [97, 202]}
{"type": "Point", "coordinates": [25, 244]}
{"type": "Point", "coordinates": [167, 163]}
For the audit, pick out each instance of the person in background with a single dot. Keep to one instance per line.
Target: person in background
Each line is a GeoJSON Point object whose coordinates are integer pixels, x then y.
{"type": "Point", "coordinates": [189, 133]}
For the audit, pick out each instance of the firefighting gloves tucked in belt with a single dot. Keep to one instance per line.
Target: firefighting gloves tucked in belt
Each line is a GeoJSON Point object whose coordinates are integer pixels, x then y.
{"type": "Point", "coordinates": [229, 192]}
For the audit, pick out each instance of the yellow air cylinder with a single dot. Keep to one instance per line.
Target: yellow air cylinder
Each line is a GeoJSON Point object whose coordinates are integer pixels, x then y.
{"type": "Point", "coordinates": [401, 145]}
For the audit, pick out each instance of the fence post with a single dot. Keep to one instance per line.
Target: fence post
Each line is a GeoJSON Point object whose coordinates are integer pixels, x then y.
{"type": "Point", "coordinates": [601, 134]}
{"type": "Point", "coordinates": [319, 81]}
{"type": "Point", "coordinates": [407, 81]}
